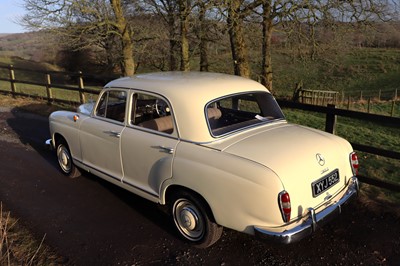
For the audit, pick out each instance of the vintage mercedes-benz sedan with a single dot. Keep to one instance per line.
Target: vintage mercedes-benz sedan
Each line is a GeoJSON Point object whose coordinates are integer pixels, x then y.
{"type": "Point", "coordinates": [215, 148]}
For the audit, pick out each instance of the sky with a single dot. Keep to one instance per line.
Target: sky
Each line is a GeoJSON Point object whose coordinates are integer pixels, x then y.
{"type": "Point", "coordinates": [11, 10]}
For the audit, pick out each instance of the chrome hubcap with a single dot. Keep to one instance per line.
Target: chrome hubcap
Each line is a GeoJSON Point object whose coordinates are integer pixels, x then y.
{"type": "Point", "coordinates": [188, 220]}
{"type": "Point", "coordinates": [64, 159]}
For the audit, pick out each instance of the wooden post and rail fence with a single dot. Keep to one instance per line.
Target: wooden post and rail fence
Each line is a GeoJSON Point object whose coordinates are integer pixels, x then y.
{"type": "Point", "coordinates": [49, 86]}
{"type": "Point", "coordinates": [330, 123]}
{"type": "Point", "coordinates": [320, 97]}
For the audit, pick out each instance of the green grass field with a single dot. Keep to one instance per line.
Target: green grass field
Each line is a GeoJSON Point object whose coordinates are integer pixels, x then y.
{"type": "Point", "coordinates": [360, 70]}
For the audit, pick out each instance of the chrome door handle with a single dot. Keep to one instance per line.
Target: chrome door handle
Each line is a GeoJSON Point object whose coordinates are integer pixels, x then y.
{"type": "Point", "coordinates": [114, 133]}
{"type": "Point", "coordinates": [166, 149]}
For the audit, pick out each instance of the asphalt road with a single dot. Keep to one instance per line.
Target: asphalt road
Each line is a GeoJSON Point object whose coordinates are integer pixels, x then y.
{"type": "Point", "coordinates": [90, 222]}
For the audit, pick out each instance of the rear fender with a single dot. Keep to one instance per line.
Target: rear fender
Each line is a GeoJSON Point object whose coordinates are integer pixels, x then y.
{"type": "Point", "coordinates": [240, 193]}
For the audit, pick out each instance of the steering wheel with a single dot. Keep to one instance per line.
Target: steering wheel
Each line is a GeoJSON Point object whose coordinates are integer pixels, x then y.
{"type": "Point", "coordinates": [162, 107]}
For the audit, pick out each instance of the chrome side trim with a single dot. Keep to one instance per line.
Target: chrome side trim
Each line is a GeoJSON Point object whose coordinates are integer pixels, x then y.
{"type": "Point", "coordinates": [94, 170]}
{"type": "Point", "coordinates": [313, 221]}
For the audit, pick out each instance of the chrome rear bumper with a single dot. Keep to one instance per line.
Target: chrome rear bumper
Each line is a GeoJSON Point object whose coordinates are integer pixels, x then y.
{"type": "Point", "coordinates": [313, 221]}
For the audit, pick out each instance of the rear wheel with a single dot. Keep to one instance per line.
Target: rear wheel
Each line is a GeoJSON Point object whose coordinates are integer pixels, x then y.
{"type": "Point", "coordinates": [65, 160]}
{"type": "Point", "coordinates": [194, 221]}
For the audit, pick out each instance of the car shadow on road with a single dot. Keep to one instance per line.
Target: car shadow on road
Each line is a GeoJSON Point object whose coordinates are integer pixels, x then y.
{"type": "Point", "coordinates": [32, 131]}
{"type": "Point", "coordinates": [155, 213]}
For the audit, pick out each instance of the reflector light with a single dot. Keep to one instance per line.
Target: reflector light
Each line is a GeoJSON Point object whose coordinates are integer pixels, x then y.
{"type": "Point", "coordinates": [354, 162]}
{"type": "Point", "coordinates": [285, 206]}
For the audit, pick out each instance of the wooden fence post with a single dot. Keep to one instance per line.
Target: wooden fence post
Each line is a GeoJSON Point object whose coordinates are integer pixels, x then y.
{"type": "Point", "coordinates": [48, 89]}
{"type": "Point", "coordinates": [395, 95]}
{"type": "Point", "coordinates": [369, 105]}
{"type": "Point", "coordinates": [330, 122]}
{"type": "Point", "coordinates": [81, 87]}
{"type": "Point", "coordinates": [12, 81]}
{"type": "Point", "coordinates": [393, 105]}
{"type": "Point", "coordinates": [348, 102]}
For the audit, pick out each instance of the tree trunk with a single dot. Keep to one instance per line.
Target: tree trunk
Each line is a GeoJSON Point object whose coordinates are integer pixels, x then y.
{"type": "Point", "coordinates": [267, 26]}
{"type": "Point", "coordinates": [236, 37]}
{"type": "Point", "coordinates": [203, 38]}
{"type": "Point", "coordinates": [125, 35]}
{"type": "Point", "coordinates": [172, 43]}
{"type": "Point", "coordinates": [183, 17]}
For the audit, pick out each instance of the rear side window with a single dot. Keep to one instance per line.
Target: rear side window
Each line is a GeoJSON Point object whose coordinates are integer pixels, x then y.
{"type": "Point", "coordinates": [112, 105]}
{"type": "Point", "coordinates": [151, 112]}
{"type": "Point", "coordinates": [236, 112]}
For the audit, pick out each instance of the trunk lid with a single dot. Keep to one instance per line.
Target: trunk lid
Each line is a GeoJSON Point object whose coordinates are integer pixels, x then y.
{"type": "Point", "coordinates": [305, 160]}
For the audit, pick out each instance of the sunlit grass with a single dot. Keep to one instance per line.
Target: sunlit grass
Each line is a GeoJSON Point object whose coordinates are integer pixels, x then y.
{"type": "Point", "coordinates": [19, 247]}
{"type": "Point", "coordinates": [357, 70]}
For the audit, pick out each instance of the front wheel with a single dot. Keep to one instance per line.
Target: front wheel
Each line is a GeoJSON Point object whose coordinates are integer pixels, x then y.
{"type": "Point", "coordinates": [194, 221]}
{"type": "Point", "coordinates": [65, 160]}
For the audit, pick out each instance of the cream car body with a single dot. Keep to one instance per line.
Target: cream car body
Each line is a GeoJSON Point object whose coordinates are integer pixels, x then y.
{"type": "Point", "coordinates": [166, 146]}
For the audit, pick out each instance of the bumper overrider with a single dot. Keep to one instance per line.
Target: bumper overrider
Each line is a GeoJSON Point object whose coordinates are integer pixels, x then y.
{"type": "Point", "coordinates": [313, 221]}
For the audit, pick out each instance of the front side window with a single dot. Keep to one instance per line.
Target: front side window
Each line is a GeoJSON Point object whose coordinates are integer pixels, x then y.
{"type": "Point", "coordinates": [152, 112]}
{"type": "Point", "coordinates": [236, 112]}
{"type": "Point", "coordinates": [112, 105]}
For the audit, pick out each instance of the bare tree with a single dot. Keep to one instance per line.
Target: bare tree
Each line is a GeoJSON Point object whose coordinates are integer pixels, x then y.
{"type": "Point", "coordinates": [84, 23]}
{"type": "Point", "coordinates": [237, 11]}
{"type": "Point", "coordinates": [303, 17]}
{"type": "Point", "coordinates": [168, 10]}
{"type": "Point", "coordinates": [108, 25]}
{"type": "Point", "coordinates": [184, 12]}
{"type": "Point", "coordinates": [206, 21]}
{"type": "Point", "coordinates": [151, 40]}
{"type": "Point", "coordinates": [125, 34]}
{"type": "Point", "coordinates": [203, 5]}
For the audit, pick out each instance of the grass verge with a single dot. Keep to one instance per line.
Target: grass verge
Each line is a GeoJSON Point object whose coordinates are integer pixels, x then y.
{"type": "Point", "coordinates": [19, 247]}
{"type": "Point", "coordinates": [32, 105]}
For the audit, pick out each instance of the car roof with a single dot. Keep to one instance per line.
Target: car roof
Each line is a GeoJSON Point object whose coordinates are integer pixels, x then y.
{"type": "Point", "coordinates": [188, 94]}
{"type": "Point", "coordinates": [211, 85]}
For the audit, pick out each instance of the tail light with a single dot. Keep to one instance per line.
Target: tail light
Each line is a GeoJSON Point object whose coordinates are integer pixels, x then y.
{"type": "Point", "coordinates": [284, 204]}
{"type": "Point", "coordinates": [354, 163]}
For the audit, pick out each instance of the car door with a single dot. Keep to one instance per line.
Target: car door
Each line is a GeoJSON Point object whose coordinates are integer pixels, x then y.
{"type": "Point", "coordinates": [100, 134]}
{"type": "Point", "coordinates": [148, 143]}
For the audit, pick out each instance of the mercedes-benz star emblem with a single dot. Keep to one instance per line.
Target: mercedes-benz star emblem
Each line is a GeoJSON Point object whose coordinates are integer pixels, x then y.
{"type": "Point", "coordinates": [320, 159]}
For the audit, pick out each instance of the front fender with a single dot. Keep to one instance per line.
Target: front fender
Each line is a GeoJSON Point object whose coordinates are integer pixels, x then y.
{"type": "Point", "coordinates": [62, 124]}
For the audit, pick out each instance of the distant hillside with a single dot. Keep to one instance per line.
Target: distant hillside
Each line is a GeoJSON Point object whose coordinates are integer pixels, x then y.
{"type": "Point", "coordinates": [35, 51]}
{"type": "Point", "coordinates": [36, 46]}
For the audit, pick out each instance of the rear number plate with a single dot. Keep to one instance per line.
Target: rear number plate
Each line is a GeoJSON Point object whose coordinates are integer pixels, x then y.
{"type": "Point", "coordinates": [325, 183]}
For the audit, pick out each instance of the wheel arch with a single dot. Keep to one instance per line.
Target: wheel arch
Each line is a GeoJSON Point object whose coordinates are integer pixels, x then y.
{"type": "Point", "coordinates": [57, 137]}
{"type": "Point", "coordinates": [174, 189]}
